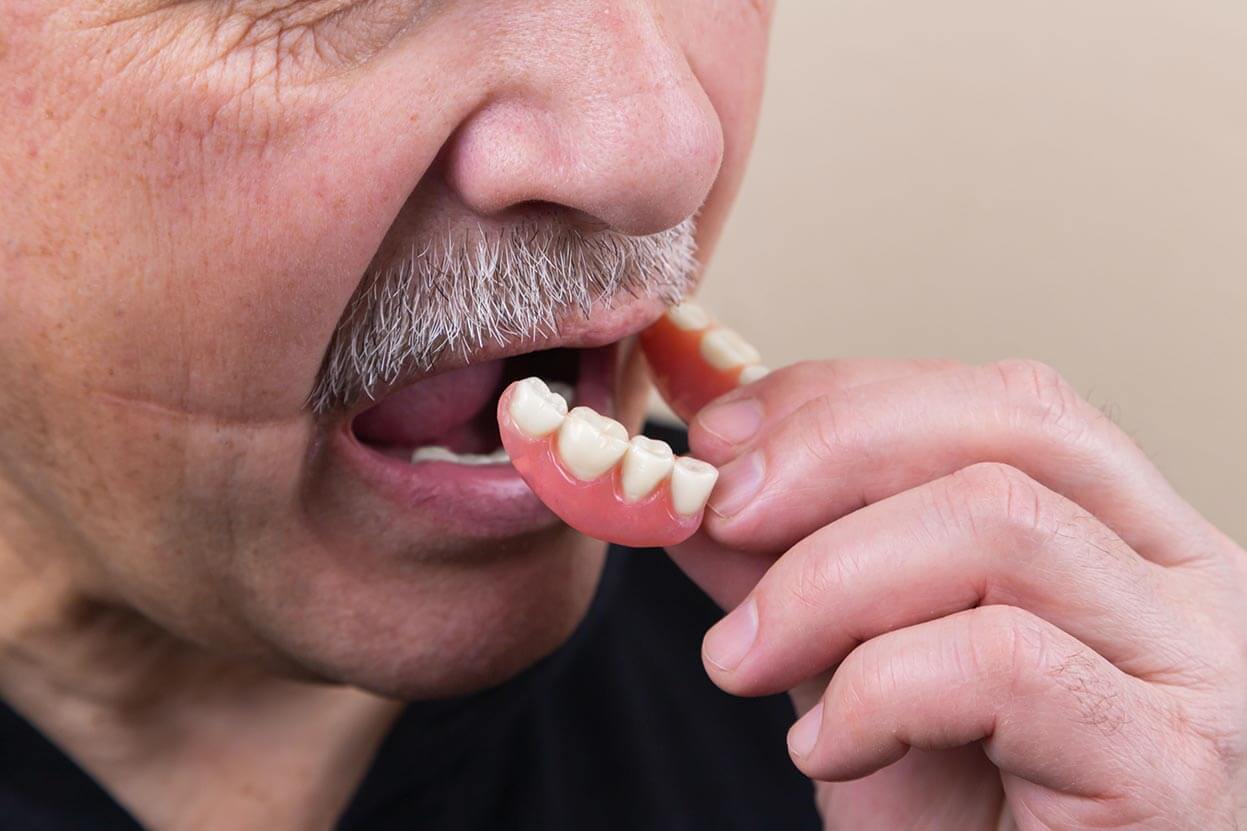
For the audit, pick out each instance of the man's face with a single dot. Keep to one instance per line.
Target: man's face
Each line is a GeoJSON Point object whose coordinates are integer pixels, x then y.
{"type": "Point", "coordinates": [195, 195]}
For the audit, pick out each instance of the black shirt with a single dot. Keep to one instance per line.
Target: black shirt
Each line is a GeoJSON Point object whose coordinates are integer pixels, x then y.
{"type": "Point", "coordinates": [619, 729]}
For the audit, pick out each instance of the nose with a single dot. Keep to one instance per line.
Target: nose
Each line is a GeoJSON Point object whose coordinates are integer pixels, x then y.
{"type": "Point", "coordinates": [597, 112]}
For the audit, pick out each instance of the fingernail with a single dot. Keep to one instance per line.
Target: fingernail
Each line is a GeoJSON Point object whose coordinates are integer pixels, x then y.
{"type": "Point", "coordinates": [735, 422]}
{"type": "Point", "coordinates": [739, 482]}
{"type": "Point", "coordinates": [730, 639]}
{"type": "Point", "coordinates": [804, 734]}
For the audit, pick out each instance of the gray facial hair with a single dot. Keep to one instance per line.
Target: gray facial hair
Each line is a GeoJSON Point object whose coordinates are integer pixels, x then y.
{"type": "Point", "coordinates": [464, 291]}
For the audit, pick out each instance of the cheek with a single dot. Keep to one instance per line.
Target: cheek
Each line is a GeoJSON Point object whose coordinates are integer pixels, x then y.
{"type": "Point", "coordinates": [199, 236]}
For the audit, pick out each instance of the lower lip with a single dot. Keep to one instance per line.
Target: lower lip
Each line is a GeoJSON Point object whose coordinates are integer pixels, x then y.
{"type": "Point", "coordinates": [480, 501]}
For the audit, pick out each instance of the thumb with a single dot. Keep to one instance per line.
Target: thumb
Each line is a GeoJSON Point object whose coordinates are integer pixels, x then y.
{"type": "Point", "coordinates": [727, 575]}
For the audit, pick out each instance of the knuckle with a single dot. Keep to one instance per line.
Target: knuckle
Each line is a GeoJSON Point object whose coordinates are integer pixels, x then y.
{"type": "Point", "coordinates": [1007, 644]}
{"type": "Point", "coordinates": [1040, 394]}
{"type": "Point", "coordinates": [825, 437]}
{"type": "Point", "coordinates": [1094, 544]}
{"type": "Point", "coordinates": [1099, 702]}
{"type": "Point", "coordinates": [1019, 650]}
{"type": "Point", "coordinates": [990, 497]}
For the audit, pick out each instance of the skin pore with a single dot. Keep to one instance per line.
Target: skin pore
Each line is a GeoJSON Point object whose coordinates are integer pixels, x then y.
{"type": "Point", "coordinates": [191, 193]}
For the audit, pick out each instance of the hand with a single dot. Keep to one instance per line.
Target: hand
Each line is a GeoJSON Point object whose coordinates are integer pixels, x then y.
{"type": "Point", "coordinates": [996, 611]}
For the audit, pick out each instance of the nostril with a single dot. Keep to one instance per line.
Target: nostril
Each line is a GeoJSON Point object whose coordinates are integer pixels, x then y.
{"type": "Point", "coordinates": [540, 209]}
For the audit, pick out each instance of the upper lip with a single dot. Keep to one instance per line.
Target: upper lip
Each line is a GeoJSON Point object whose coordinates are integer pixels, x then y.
{"type": "Point", "coordinates": [606, 324]}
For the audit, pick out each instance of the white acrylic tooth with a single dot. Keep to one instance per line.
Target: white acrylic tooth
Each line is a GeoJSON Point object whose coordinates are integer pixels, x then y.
{"type": "Point", "coordinates": [689, 317]}
{"type": "Point", "coordinates": [753, 372]}
{"type": "Point", "coordinates": [564, 391]}
{"type": "Point", "coordinates": [535, 409]}
{"type": "Point", "coordinates": [500, 456]}
{"type": "Point", "coordinates": [691, 483]}
{"type": "Point", "coordinates": [647, 462]}
{"type": "Point", "coordinates": [604, 423]}
{"type": "Point", "coordinates": [590, 444]}
{"type": "Point", "coordinates": [724, 349]}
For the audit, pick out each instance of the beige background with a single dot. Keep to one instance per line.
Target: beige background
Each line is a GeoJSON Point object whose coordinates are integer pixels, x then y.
{"type": "Point", "coordinates": [1065, 180]}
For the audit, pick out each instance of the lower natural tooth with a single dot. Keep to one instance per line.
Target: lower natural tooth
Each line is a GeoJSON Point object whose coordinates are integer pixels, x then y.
{"type": "Point", "coordinates": [723, 348]}
{"type": "Point", "coordinates": [691, 483]}
{"type": "Point", "coordinates": [437, 453]}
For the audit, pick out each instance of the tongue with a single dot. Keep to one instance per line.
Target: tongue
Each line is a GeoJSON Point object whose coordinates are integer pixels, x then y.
{"type": "Point", "coordinates": [432, 411]}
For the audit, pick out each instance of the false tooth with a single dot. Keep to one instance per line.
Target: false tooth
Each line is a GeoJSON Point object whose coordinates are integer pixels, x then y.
{"type": "Point", "coordinates": [723, 348]}
{"type": "Point", "coordinates": [590, 444]}
{"type": "Point", "coordinates": [691, 483]}
{"type": "Point", "coordinates": [688, 316]}
{"type": "Point", "coordinates": [647, 462]}
{"type": "Point", "coordinates": [753, 372]}
{"type": "Point", "coordinates": [535, 409]}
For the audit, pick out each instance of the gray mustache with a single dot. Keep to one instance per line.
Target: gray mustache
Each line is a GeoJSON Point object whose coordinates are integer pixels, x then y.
{"type": "Point", "coordinates": [463, 291]}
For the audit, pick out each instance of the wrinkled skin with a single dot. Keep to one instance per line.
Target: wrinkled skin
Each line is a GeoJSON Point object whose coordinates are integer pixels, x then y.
{"type": "Point", "coordinates": [968, 564]}
{"type": "Point", "coordinates": [191, 195]}
{"type": "Point", "coordinates": [992, 609]}
{"type": "Point", "coordinates": [190, 192]}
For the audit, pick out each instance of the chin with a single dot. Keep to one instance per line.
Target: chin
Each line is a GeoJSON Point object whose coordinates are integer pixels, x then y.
{"type": "Point", "coordinates": [349, 556]}
{"type": "Point", "coordinates": [415, 578]}
{"type": "Point", "coordinates": [449, 623]}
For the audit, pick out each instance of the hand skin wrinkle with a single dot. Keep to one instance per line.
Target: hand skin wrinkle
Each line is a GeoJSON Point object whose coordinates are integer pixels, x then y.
{"type": "Point", "coordinates": [184, 548]}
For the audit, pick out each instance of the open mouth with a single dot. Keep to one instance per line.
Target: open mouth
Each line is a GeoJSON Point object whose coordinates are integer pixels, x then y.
{"type": "Point", "coordinates": [450, 418]}
{"type": "Point", "coordinates": [425, 461]}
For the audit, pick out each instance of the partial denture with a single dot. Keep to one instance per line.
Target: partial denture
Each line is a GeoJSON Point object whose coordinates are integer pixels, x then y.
{"type": "Point", "coordinates": [584, 467]}
{"type": "Point", "coordinates": [693, 359]}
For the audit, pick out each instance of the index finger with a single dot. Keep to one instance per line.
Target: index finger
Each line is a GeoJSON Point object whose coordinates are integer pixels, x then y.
{"type": "Point", "coordinates": [845, 450]}
{"type": "Point", "coordinates": [719, 430]}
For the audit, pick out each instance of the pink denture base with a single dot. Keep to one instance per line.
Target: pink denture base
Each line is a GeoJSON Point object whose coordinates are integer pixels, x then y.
{"type": "Point", "coordinates": [595, 508]}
